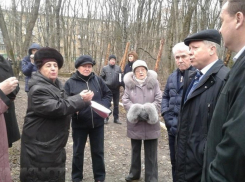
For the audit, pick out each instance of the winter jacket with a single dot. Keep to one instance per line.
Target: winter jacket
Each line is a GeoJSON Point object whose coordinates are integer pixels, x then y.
{"type": "Point", "coordinates": [128, 67]}
{"type": "Point", "coordinates": [171, 100]}
{"type": "Point", "coordinates": [225, 149]}
{"type": "Point", "coordinates": [87, 118]}
{"type": "Point", "coordinates": [110, 74]}
{"type": "Point", "coordinates": [46, 130]}
{"type": "Point", "coordinates": [4, 157]}
{"type": "Point", "coordinates": [194, 120]}
{"type": "Point", "coordinates": [142, 104]}
{"type": "Point", "coordinates": [27, 67]}
{"type": "Point", "coordinates": [10, 117]}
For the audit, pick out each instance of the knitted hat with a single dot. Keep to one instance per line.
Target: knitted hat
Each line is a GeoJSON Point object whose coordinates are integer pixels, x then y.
{"type": "Point", "coordinates": [84, 59]}
{"type": "Point", "coordinates": [45, 54]}
{"type": "Point", "coordinates": [112, 57]}
{"type": "Point", "coordinates": [139, 63]}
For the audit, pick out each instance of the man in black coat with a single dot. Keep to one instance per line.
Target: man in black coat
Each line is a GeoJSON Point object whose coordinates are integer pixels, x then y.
{"type": "Point", "coordinates": [201, 91]}
{"type": "Point", "coordinates": [13, 132]}
{"type": "Point", "coordinates": [172, 95]}
{"type": "Point", "coordinates": [225, 149]}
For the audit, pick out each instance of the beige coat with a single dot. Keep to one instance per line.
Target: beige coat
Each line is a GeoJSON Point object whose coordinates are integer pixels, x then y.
{"type": "Point", "coordinates": [4, 158]}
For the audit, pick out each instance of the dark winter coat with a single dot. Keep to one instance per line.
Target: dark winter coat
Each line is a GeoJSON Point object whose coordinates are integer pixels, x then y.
{"type": "Point", "coordinates": [171, 100]}
{"type": "Point", "coordinates": [27, 67]}
{"type": "Point", "coordinates": [194, 120]}
{"type": "Point", "coordinates": [110, 75]}
{"type": "Point", "coordinates": [10, 117]}
{"type": "Point", "coordinates": [225, 149]}
{"type": "Point", "coordinates": [46, 130]}
{"type": "Point", "coordinates": [87, 118]}
{"type": "Point", "coordinates": [128, 67]}
{"type": "Point", "coordinates": [142, 118]}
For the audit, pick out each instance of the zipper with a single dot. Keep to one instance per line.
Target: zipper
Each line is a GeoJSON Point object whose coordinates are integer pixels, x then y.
{"type": "Point", "coordinates": [90, 107]}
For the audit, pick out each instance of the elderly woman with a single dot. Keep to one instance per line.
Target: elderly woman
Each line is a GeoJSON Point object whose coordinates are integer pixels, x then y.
{"type": "Point", "coordinates": [47, 121]}
{"type": "Point", "coordinates": [142, 100]}
{"type": "Point", "coordinates": [87, 123]}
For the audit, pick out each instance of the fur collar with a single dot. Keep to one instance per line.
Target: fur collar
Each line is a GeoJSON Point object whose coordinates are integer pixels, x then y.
{"type": "Point", "coordinates": [150, 81]}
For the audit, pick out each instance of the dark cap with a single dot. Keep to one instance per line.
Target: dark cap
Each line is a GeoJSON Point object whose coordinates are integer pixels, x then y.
{"type": "Point", "coordinates": [44, 54]}
{"type": "Point", "coordinates": [209, 35]}
{"type": "Point", "coordinates": [85, 59]}
{"type": "Point", "coordinates": [112, 57]}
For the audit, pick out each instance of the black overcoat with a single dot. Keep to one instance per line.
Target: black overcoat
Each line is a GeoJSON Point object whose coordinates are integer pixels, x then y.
{"type": "Point", "coordinates": [46, 130]}
{"type": "Point", "coordinates": [225, 150]}
{"type": "Point", "coordinates": [195, 116]}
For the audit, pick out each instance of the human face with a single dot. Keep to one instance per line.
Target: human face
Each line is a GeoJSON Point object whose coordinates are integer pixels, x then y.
{"type": "Point", "coordinates": [140, 72]}
{"type": "Point", "coordinates": [112, 61]}
{"type": "Point", "coordinates": [182, 59]}
{"type": "Point", "coordinates": [199, 54]}
{"type": "Point", "coordinates": [50, 70]}
{"type": "Point", "coordinates": [228, 27]}
{"type": "Point", "coordinates": [85, 69]}
{"type": "Point", "coordinates": [131, 58]}
{"type": "Point", "coordinates": [33, 51]}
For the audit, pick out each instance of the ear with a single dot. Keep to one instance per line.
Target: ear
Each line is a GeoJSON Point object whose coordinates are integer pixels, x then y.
{"type": "Point", "coordinates": [212, 50]}
{"type": "Point", "coordinates": [240, 18]}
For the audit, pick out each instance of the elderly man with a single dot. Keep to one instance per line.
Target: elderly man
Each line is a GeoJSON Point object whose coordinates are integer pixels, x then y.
{"type": "Point", "coordinates": [225, 151]}
{"type": "Point", "coordinates": [172, 95]}
{"type": "Point", "coordinates": [201, 91]}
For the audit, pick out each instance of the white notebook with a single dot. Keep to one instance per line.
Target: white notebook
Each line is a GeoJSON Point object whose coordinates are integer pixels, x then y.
{"type": "Point", "coordinates": [100, 109]}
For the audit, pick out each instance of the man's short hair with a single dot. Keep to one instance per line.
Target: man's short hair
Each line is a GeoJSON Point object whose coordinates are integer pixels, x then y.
{"type": "Point", "coordinates": [180, 46]}
{"type": "Point", "coordinates": [210, 43]}
{"type": "Point", "coordinates": [235, 6]}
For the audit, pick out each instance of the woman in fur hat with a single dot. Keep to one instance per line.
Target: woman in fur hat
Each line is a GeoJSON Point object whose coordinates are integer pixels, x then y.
{"type": "Point", "coordinates": [142, 100]}
{"type": "Point", "coordinates": [47, 121]}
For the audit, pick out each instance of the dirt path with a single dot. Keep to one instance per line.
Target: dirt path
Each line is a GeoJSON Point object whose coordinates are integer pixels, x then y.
{"type": "Point", "coordinates": [117, 150]}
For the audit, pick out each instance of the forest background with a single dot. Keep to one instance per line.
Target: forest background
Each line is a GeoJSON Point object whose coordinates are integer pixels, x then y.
{"type": "Point", "coordinates": [103, 27]}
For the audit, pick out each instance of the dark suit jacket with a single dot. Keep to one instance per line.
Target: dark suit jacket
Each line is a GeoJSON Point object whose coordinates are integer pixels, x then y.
{"type": "Point", "coordinates": [225, 150]}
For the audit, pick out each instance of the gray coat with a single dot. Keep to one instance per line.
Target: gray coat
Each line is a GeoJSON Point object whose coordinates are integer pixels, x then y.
{"type": "Point", "coordinates": [142, 104]}
{"type": "Point", "coordinates": [110, 75]}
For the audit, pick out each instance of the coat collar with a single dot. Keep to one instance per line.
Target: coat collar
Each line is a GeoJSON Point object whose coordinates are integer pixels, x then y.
{"type": "Point", "coordinates": [208, 79]}
{"type": "Point", "coordinates": [150, 81]}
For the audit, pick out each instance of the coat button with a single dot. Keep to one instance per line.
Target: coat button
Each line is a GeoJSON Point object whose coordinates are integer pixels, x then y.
{"type": "Point", "coordinates": [206, 87]}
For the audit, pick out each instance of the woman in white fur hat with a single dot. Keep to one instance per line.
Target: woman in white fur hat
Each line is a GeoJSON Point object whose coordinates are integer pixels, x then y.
{"type": "Point", "coordinates": [142, 101]}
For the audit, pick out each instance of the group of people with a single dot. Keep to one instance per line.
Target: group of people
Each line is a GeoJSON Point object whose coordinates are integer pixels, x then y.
{"type": "Point", "coordinates": [202, 106]}
{"type": "Point", "coordinates": [202, 103]}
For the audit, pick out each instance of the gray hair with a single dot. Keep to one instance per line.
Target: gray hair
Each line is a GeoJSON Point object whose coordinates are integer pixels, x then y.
{"type": "Point", "coordinates": [210, 43]}
{"type": "Point", "coordinates": [180, 46]}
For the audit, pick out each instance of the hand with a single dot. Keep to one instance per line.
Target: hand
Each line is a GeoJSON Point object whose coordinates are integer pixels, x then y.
{"type": "Point", "coordinates": [32, 58]}
{"type": "Point", "coordinates": [87, 95]}
{"type": "Point", "coordinates": [9, 85]}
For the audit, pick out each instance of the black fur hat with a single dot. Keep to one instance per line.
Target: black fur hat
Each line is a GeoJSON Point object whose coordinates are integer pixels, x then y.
{"type": "Point", "coordinates": [47, 53]}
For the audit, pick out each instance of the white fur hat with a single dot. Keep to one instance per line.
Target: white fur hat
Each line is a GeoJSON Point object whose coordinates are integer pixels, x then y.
{"type": "Point", "coordinates": [139, 63]}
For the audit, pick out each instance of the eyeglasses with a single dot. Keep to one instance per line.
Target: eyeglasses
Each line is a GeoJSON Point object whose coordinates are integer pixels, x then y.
{"type": "Point", "coordinates": [140, 70]}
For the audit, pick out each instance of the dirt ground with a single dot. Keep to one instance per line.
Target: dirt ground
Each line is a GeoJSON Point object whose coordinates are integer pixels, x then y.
{"type": "Point", "coordinates": [117, 150]}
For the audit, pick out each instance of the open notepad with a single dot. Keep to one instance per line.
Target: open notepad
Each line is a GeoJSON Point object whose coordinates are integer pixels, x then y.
{"type": "Point", "coordinates": [100, 109]}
